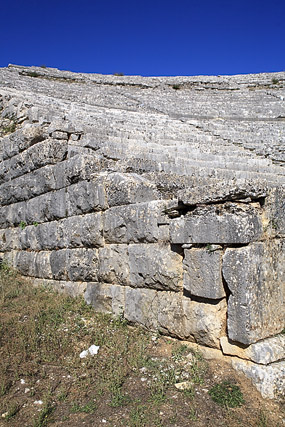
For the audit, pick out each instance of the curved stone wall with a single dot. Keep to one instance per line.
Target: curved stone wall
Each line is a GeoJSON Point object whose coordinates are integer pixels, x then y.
{"type": "Point", "coordinates": [159, 199]}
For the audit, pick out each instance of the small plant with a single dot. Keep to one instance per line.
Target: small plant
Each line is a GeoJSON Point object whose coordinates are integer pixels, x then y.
{"type": "Point", "coordinates": [89, 408]}
{"type": "Point", "coordinates": [275, 81]}
{"type": "Point", "coordinates": [44, 415]}
{"type": "Point", "coordinates": [9, 129]}
{"type": "Point", "coordinates": [43, 66]}
{"type": "Point", "coordinates": [12, 411]}
{"type": "Point", "coordinates": [31, 74]}
{"type": "Point", "coordinates": [118, 74]}
{"type": "Point", "coordinates": [22, 225]}
{"type": "Point", "coordinates": [178, 352]}
{"type": "Point", "coordinates": [176, 87]}
{"type": "Point", "coordinates": [227, 394]}
{"type": "Point", "coordinates": [35, 223]}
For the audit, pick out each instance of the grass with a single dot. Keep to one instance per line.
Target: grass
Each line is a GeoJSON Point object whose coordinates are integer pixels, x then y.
{"type": "Point", "coordinates": [227, 394]}
{"type": "Point", "coordinates": [130, 382]}
{"type": "Point", "coordinates": [9, 129]}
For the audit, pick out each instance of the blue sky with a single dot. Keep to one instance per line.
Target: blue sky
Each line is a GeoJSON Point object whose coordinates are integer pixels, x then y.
{"type": "Point", "coordinates": [158, 37]}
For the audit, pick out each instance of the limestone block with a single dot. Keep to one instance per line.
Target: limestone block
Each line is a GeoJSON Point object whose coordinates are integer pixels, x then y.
{"type": "Point", "coordinates": [22, 139]}
{"type": "Point", "coordinates": [155, 266]}
{"type": "Point", "coordinates": [42, 265]}
{"type": "Point", "coordinates": [10, 239]}
{"type": "Point", "coordinates": [263, 352]}
{"type": "Point", "coordinates": [133, 223]}
{"type": "Point", "coordinates": [124, 189]}
{"type": "Point", "coordinates": [105, 298]}
{"type": "Point", "coordinates": [269, 380]}
{"type": "Point", "coordinates": [28, 238]}
{"type": "Point", "coordinates": [203, 272]}
{"type": "Point", "coordinates": [223, 190]}
{"type": "Point", "coordinates": [186, 319]}
{"type": "Point", "coordinates": [275, 211]}
{"type": "Point", "coordinates": [58, 261]}
{"type": "Point", "coordinates": [82, 264]}
{"type": "Point", "coordinates": [114, 265]}
{"type": "Point", "coordinates": [73, 289]}
{"type": "Point", "coordinates": [47, 207]}
{"type": "Point", "coordinates": [85, 230]}
{"type": "Point", "coordinates": [80, 167]}
{"type": "Point", "coordinates": [25, 263]}
{"type": "Point", "coordinates": [141, 307]}
{"type": "Point", "coordinates": [59, 135]}
{"type": "Point", "coordinates": [229, 223]}
{"type": "Point", "coordinates": [255, 275]}
{"type": "Point", "coordinates": [85, 197]}
{"type": "Point", "coordinates": [49, 235]}
{"type": "Point", "coordinates": [175, 315]}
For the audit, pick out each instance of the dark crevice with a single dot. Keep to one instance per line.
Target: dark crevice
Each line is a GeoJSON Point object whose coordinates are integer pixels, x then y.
{"type": "Point", "coordinates": [226, 288]}
{"type": "Point", "coordinates": [201, 299]}
{"type": "Point", "coordinates": [177, 249]}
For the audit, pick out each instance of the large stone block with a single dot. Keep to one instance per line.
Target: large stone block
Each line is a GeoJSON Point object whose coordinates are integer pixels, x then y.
{"type": "Point", "coordinates": [155, 266]}
{"type": "Point", "coordinates": [47, 207]}
{"type": "Point", "coordinates": [229, 223]}
{"type": "Point", "coordinates": [105, 298]}
{"type": "Point", "coordinates": [82, 264]}
{"type": "Point", "coordinates": [22, 139]}
{"type": "Point", "coordinates": [223, 190]}
{"type": "Point", "coordinates": [124, 189]}
{"type": "Point", "coordinates": [85, 197]}
{"type": "Point", "coordinates": [203, 272]}
{"type": "Point", "coordinates": [114, 265]}
{"type": "Point", "coordinates": [263, 352]}
{"type": "Point", "coordinates": [255, 275]}
{"type": "Point", "coordinates": [84, 230]}
{"type": "Point", "coordinates": [269, 380]}
{"type": "Point", "coordinates": [173, 314]}
{"type": "Point", "coordinates": [133, 223]}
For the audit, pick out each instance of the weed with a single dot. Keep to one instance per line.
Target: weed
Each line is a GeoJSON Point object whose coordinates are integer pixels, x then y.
{"type": "Point", "coordinates": [179, 351]}
{"type": "Point", "coordinates": [12, 411]}
{"type": "Point", "coordinates": [22, 225]}
{"type": "Point", "coordinates": [192, 415]}
{"type": "Point", "coordinates": [176, 87]}
{"type": "Point", "coordinates": [88, 408]}
{"type": "Point", "coordinates": [35, 223]}
{"type": "Point", "coordinates": [275, 81]}
{"type": "Point", "coordinates": [44, 415]}
{"type": "Point", "coordinates": [9, 129]}
{"type": "Point", "coordinates": [227, 394]}
{"type": "Point", "coordinates": [262, 419]}
{"type": "Point", "coordinates": [189, 393]}
{"type": "Point", "coordinates": [118, 74]}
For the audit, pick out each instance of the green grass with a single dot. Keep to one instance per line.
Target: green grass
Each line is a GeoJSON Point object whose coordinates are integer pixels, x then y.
{"type": "Point", "coordinates": [227, 394]}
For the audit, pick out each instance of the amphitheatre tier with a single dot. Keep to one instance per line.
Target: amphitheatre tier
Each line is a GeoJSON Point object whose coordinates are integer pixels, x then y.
{"type": "Point", "coordinates": [159, 198]}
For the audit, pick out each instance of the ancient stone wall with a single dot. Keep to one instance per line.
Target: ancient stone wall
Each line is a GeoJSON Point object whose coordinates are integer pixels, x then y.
{"type": "Point", "coordinates": [175, 221]}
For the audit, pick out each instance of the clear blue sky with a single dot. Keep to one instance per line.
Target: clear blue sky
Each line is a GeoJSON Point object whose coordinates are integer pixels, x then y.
{"type": "Point", "coordinates": [158, 37]}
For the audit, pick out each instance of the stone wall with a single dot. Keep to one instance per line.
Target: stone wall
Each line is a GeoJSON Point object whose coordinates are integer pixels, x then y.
{"type": "Point", "coordinates": [151, 216]}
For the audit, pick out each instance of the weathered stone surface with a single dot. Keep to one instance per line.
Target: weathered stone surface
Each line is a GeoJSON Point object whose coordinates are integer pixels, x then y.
{"type": "Point", "coordinates": [124, 189]}
{"type": "Point", "coordinates": [269, 380]}
{"type": "Point", "coordinates": [82, 264]}
{"type": "Point", "coordinates": [263, 352]}
{"type": "Point", "coordinates": [73, 289]}
{"type": "Point", "coordinates": [203, 272]}
{"type": "Point", "coordinates": [155, 266]}
{"type": "Point", "coordinates": [256, 279]}
{"type": "Point", "coordinates": [176, 315]}
{"type": "Point", "coordinates": [85, 230]}
{"type": "Point", "coordinates": [218, 191]}
{"type": "Point", "coordinates": [114, 265]}
{"type": "Point", "coordinates": [229, 223]}
{"type": "Point", "coordinates": [111, 192]}
{"type": "Point", "coordinates": [105, 298]}
{"type": "Point", "coordinates": [85, 197]}
{"type": "Point", "coordinates": [133, 223]}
